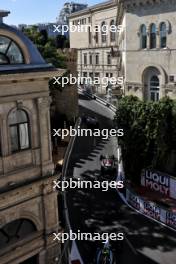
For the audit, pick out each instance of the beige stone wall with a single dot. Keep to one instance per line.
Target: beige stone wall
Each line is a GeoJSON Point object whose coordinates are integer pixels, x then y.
{"type": "Point", "coordinates": [26, 177]}
{"type": "Point", "coordinates": [138, 60]}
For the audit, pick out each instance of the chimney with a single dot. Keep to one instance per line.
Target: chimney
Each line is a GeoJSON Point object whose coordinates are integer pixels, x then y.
{"type": "Point", "coordinates": [3, 13]}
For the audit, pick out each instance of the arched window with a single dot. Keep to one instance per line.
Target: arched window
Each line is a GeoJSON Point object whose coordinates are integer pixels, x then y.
{"type": "Point", "coordinates": [152, 36]}
{"type": "Point", "coordinates": [143, 35]}
{"type": "Point", "coordinates": [163, 35]}
{"type": "Point", "coordinates": [96, 34]}
{"type": "Point", "coordinates": [16, 231]}
{"type": "Point", "coordinates": [112, 31]}
{"type": "Point", "coordinates": [19, 130]}
{"type": "Point", "coordinates": [103, 32]}
{"type": "Point", "coordinates": [154, 88]}
{"type": "Point", "coordinates": [10, 53]}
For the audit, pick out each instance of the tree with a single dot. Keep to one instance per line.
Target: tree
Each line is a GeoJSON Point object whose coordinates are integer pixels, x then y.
{"type": "Point", "coordinates": [149, 135]}
{"type": "Point", "coordinates": [46, 46]}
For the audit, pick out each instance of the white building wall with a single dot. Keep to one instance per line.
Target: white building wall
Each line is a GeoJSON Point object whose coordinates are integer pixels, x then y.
{"type": "Point", "coordinates": [138, 60]}
{"type": "Point", "coordinates": [80, 40]}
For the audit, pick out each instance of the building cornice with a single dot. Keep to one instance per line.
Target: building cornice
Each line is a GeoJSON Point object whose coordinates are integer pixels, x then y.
{"type": "Point", "coordinates": [95, 8]}
{"type": "Point", "coordinates": [30, 77]}
{"type": "Point", "coordinates": [140, 3]}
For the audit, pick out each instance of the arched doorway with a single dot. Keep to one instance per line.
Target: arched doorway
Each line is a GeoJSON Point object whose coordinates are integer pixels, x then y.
{"type": "Point", "coordinates": [152, 80]}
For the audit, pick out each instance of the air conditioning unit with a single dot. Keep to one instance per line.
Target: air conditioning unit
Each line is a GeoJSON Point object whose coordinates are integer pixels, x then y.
{"type": "Point", "coordinates": [172, 78]}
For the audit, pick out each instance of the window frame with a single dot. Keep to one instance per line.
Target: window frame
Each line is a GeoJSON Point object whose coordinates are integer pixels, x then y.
{"type": "Point", "coordinates": [97, 59]}
{"type": "Point", "coordinates": [163, 37]}
{"type": "Point", "coordinates": [17, 126]}
{"type": "Point", "coordinates": [154, 88]}
{"type": "Point", "coordinates": [143, 37]}
{"type": "Point", "coordinates": [90, 59]}
{"type": "Point", "coordinates": [103, 34]}
{"type": "Point", "coordinates": [85, 59]}
{"type": "Point", "coordinates": [112, 34]}
{"type": "Point", "coordinates": [109, 59]}
{"type": "Point", "coordinates": [153, 38]}
{"type": "Point", "coordinates": [96, 34]}
{"type": "Point", "coordinates": [11, 42]}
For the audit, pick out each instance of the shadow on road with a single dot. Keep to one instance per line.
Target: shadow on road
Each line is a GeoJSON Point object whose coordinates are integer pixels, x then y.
{"type": "Point", "coordinates": [94, 210]}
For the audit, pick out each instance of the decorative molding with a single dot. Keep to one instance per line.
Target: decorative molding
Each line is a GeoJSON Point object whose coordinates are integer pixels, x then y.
{"type": "Point", "coordinates": [19, 104]}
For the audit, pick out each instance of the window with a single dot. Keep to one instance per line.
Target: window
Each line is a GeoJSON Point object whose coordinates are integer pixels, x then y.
{"type": "Point", "coordinates": [85, 59]}
{"type": "Point", "coordinates": [96, 34]}
{"type": "Point", "coordinates": [83, 21]}
{"type": "Point", "coordinates": [152, 36]}
{"type": "Point", "coordinates": [103, 32]}
{"type": "Point", "coordinates": [112, 31]}
{"type": "Point", "coordinates": [154, 88]}
{"type": "Point", "coordinates": [89, 35]}
{"type": "Point", "coordinates": [19, 130]}
{"type": "Point", "coordinates": [163, 35]}
{"type": "Point", "coordinates": [97, 74]}
{"type": "Point", "coordinates": [84, 79]}
{"type": "Point", "coordinates": [91, 75]}
{"type": "Point", "coordinates": [16, 231]}
{"type": "Point", "coordinates": [10, 53]}
{"type": "Point", "coordinates": [97, 59]}
{"type": "Point", "coordinates": [108, 59]}
{"type": "Point", "coordinates": [90, 58]}
{"type": "Point", "coordinates": [84, 74]}
{"type": "Point", "coordinates": [143, 35]}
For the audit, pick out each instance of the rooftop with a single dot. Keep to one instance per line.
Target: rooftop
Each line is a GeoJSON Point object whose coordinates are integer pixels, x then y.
{"type": "Point", "coordinates": [3, 13]}
{"type": "Point", "coordinates": [18, 52]}
{"type": "Point", "coordinates": [96, 7]}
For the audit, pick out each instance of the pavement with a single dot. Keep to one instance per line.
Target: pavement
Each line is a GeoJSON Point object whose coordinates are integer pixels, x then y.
{"type": "Point", "coordinates": [92, 210]}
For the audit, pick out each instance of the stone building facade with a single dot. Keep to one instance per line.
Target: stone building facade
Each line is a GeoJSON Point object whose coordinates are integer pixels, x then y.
{"type": "Point", "coordinates": [95, 49]}
{"type": "Point", "coordinates": [148, 48]}
{"type": "Point", "coordinates": [28, 203]}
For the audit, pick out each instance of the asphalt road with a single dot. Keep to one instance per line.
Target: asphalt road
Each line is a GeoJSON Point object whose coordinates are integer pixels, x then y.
{"type": "Point", "coordinates": [92, 210]}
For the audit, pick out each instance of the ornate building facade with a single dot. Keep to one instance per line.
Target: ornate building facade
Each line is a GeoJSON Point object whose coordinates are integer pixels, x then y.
{"type": "Point", "coordinates": [148, 48]}
{"type": "Point", "coordinates": [94, 47]}
{"type": "Point", "coordinates": [28, 204]}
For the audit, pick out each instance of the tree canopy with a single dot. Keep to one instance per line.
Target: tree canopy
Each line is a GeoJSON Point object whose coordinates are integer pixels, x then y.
{"type": "Point", "coordinates": [149, 135]}
{"type": "Point", "coordinates": [47, 46]}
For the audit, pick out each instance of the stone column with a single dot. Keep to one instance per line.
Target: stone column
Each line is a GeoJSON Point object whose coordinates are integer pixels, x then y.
{"type": "Point", "coordinates": [45, 130]}
{"type": "Point", "coordinates": [148, 37]}
{"type": "Point", "coordinates": [157, 38]}
{"type": "Point", "coordinates": [51, 222]}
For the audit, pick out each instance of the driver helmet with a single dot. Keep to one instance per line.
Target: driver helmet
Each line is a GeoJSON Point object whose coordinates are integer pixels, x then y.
{"type": "Point", "coordinates": [105, 251]}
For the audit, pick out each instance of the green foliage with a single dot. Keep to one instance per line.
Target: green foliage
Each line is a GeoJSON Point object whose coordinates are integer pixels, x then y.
{"type": "Point", "coordinates": [150, 134]}
{"type": "Point", "coordinates": [62, 42]}
{"type": "Point", "coordinates": [46, 46]}
{"type": "Point", "coordinates": [58, 87]}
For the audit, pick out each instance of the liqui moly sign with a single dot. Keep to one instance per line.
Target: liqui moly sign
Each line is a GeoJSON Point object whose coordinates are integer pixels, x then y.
{"type": "Point", "coordinates": [171, 219]}
{"type": "Point", "coordinates": [152, 210]}
{"type": "Point", "coordinates": [156, 181]}
{"type": "Point", "coordinates": [133, 200]}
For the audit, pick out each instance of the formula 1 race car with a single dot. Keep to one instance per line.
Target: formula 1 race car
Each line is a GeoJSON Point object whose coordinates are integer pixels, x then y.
{"type": "Point", "coordinates": [105, 255]}
{"type": "Point", "coordinates": [108, 164]}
